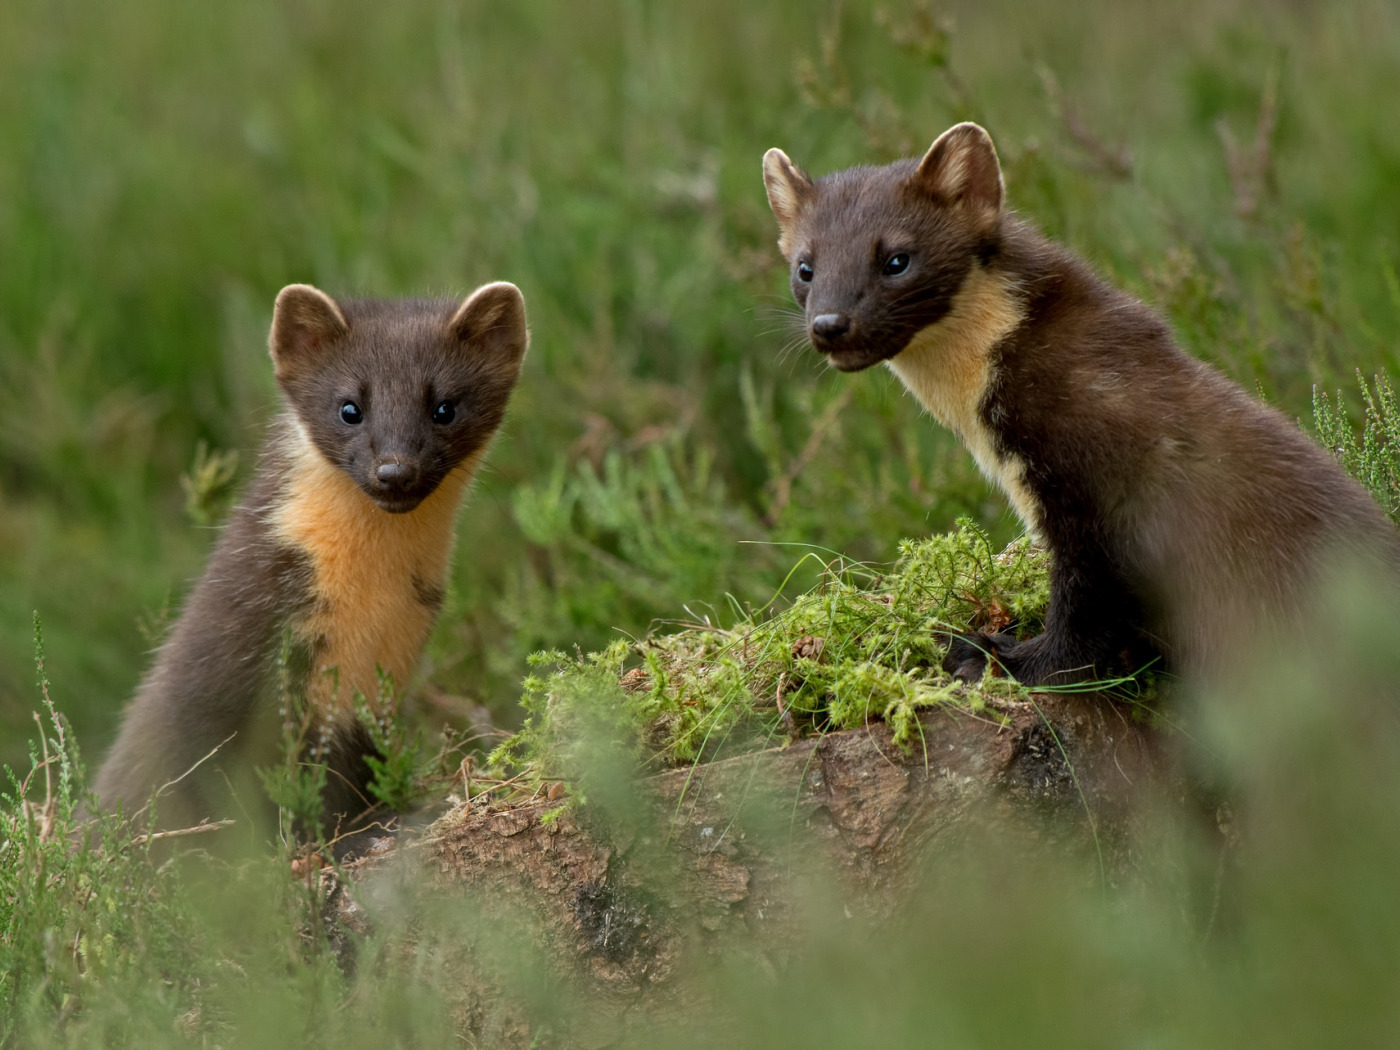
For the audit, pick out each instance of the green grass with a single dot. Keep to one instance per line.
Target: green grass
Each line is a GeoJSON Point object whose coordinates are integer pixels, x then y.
{"type": "Point", "coordinates": [167, 167]}
{"type": "Point", "coordinates": [1373, 457]}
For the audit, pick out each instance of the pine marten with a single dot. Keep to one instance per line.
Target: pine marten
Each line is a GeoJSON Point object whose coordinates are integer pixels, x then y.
{"type": "Point", "coordinates": [1182, 515]}
{"type": "Point", "coordinates": [332, 567]}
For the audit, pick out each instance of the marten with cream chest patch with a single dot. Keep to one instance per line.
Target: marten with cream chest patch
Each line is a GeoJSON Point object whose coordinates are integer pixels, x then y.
{"type": "Point", "coordinates": [1183, 516]}
{"type": "Point", "coordinates": [332, 567]}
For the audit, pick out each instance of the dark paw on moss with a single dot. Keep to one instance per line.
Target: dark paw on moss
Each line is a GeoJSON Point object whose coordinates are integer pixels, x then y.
{"type": "Point", "coordinates": [968, 654]}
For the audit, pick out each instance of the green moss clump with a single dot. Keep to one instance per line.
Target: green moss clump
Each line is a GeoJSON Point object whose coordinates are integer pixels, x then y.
{"type": "Point", "coordinates": [861, 645]}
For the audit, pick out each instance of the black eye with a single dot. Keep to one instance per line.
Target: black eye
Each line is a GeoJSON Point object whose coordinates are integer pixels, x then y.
{"type": "Point", "coordinates": [896, 264]}
{"type": "Point", "coordinates": [351, 413]}
{"type": "Point", "coordinates": [445, 413]}
{"type": "Point", "coordinates": [804, 272]}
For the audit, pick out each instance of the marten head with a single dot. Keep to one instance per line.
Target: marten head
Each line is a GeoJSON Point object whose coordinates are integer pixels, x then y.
{"type": "Point", "coordinates": [879, 254]}
{"type": "Point", "coordinates": [398, 392]}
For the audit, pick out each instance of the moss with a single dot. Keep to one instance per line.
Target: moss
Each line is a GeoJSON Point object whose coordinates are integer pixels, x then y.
{"type": "Point", "coordinates": [861, 645]}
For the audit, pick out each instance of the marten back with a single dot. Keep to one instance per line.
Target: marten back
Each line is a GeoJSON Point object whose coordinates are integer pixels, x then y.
{"type": "Point", "coordinates": [1185, 506]}
{"type": "Point", "coordinates": [332, 567]}
{"type": "Point", "coordinates": [1183, 516]}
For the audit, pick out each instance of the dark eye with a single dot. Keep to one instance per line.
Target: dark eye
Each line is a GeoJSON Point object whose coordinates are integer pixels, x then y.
{"type": "Point", "coordinates": [896, 264]}
{"type": "Point", "coordinates": [351, 413]}
{"type": "Point", "coordinates": [804, 272]}
{"type": "Point", "coordinates": [445, 413]}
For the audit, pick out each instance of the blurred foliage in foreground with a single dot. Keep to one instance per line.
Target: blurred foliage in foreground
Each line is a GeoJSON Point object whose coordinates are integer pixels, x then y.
{"type": "Point", "coordinates": [1291, 938]}
{"type": "Point", "coordinates": [169, 166]}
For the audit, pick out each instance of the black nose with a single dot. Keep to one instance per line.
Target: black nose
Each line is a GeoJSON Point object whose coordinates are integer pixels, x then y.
{"type": "Point", "coordinates": [394, 474]}
{"type": "Point", "coordinates": [830, 326]}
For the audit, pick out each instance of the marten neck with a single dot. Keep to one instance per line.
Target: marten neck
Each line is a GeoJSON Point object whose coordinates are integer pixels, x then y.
{"type": "Point", "coordinates": [376, 577]}
{"type": "Point", "coordinates": [948, 366]}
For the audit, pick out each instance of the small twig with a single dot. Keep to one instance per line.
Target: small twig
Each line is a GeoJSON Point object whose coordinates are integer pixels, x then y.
{"type": "Point", "coordinates": [1249, 167]}
{"type": "Point", "coordinates": [171, 783]}
{"type": "Point", "coordinates": [388, 829]}
{"type": "Point", "coordinates": [1114, 161]}
{"type": "Point", "coordinates": [782, 487]}
{"type": "Point", "coordinates": [498, 784]}
{"type": "Point", "coordinates": [44, 741]}
{"type": "Point", "coordinates": [788, 722]}
{"type": "Point", "coordinates": [46, 826]}
{"type": "Point", "coordinates": [1225, 821]}
{"type": "Point", "coordinates": [199, 829]}
{"type": "Point", "coordinates": [368, 804]}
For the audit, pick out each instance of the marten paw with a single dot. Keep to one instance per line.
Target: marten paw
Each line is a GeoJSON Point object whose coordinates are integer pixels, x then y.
{"type": "Point", "coordinates": [968, 654]}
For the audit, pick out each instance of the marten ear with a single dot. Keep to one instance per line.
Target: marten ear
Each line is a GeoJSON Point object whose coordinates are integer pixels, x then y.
{"type": "Point", "coordinates": [962, 168]}
{"type": "Point", "coordinates": [304, 321]}
{"type": "Point", "coordinates": [790, 190]}
{"type": "Point", "coordinates": [492, 321]}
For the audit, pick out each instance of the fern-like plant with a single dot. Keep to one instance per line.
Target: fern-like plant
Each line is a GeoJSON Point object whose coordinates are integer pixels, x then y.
{"type": "Point", "coordinates": [1373, 458]}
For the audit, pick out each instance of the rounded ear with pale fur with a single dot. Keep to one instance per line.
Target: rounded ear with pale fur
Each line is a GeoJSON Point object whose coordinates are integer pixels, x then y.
{"type": "Point", "coordinates": [492, 321]}
{"type": "Point", "coordinates": [304, 322]}
{"type": "Point", "coordinates": [961, 168]}
{"type": "Point", "coordinates": [790, 190]}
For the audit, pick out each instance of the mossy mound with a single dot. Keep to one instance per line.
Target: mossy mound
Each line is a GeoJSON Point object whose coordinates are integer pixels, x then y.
{"type": "Point", "coordinates": [863, 644]}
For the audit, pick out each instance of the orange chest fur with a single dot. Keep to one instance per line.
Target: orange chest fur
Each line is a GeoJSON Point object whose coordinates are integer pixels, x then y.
{"type": "Point", "coordinates": [372, 573]}
{"type": "Point", "coordinates": [947, 367]}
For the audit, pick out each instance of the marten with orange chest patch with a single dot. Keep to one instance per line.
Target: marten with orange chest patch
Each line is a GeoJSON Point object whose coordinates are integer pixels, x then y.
{"type": "Point", "coordinates": [1183, 516]}
{"type": "Point", "coordinates": [332, 567]}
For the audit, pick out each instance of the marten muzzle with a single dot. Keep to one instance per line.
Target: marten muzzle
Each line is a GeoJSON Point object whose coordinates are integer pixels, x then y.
{"type": "Point", "coordinates": [841, 339]}
{"type": "Point", "coordinates": [829, 328]}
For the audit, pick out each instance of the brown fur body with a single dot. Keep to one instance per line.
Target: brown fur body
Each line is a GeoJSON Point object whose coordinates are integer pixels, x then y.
{"type": "Point", "coordinates": [1184, 517]}
{"type": "Point", "coordinates": [337, 556]}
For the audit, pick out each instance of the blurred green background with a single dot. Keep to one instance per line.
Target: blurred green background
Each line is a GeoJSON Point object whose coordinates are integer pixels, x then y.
{"type": "Point", "coordinates": [166, 167]}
